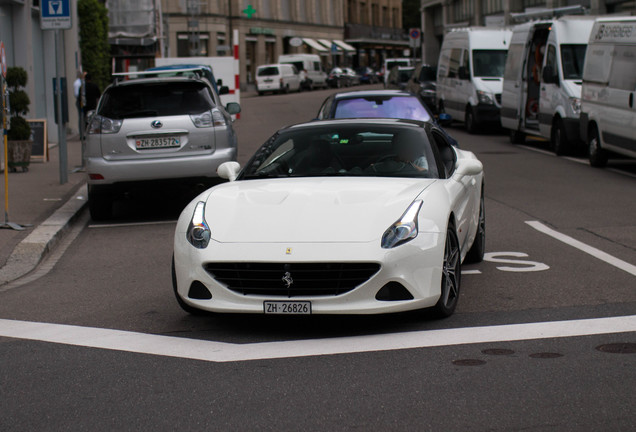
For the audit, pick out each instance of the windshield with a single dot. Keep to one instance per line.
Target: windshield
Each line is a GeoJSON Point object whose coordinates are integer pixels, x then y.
{"type": "Point", "coordinates": [345, 150]}
{"type": "Point", "coordinates": [404, 107]}
{"type": "Point", "coordinates": [156, 99]}
{"type": "Point", "coordinates": [268, 71]}
{"type": "Point", "coordinates": [573, 58]}
{"type": "Point", "coordinates": [489, 63]}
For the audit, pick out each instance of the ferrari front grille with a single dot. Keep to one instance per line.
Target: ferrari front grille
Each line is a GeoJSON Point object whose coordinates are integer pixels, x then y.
{"type": "Point", "coordinates": [292, 279]}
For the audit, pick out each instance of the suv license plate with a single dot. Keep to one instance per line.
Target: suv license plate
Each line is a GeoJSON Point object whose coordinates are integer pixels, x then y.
{"type": "Point", "coordinates": [152, 143]}
{"type": "Point", "coordinates": [287, 307]}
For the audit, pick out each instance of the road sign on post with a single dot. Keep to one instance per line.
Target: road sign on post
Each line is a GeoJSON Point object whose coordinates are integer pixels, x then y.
{"type": "Point", "coordinates": [415, 37]}
{"type": "Point", "coordinates": [55, 14]}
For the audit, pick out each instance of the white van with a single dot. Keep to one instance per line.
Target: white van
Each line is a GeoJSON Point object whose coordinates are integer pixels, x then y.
{"type": "Point", "coordinates": [470, 74]}
{"type": "Point", "coordinates": [277, 78]}
{"type": "Point", "coordinates": [542, 80]}
{"type": "Point", "coordinates": [608, 111]}
{"type": "Point", "coordinates": [312, 74]}
{"type": "Point", "coordinates": [390, 63]}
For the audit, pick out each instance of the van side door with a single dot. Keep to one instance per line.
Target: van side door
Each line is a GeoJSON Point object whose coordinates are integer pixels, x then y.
{"type": "Point", "coordinates": [512, 98]}
{"type": "Point", "coordinates": [550, 96]}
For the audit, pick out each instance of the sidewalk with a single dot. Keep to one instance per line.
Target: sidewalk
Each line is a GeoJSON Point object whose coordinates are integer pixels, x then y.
{"type": "Point", "coordinates": [36, 198]}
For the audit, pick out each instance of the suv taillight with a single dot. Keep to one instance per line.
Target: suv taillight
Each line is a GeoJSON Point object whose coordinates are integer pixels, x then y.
{"type": "Point", "coordinates": [99, 124]}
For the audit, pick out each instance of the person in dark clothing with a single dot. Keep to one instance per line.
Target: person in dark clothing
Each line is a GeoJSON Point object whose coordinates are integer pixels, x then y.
{"type": "Point", "coordinates": [92, 93]}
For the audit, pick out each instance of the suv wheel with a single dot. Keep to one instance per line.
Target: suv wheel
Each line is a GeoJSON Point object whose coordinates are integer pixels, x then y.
{"type": "Point", "coordinates": [597, 155]}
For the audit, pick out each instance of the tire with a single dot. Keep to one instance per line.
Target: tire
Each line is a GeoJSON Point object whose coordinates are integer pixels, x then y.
{"type": "Point", "coordinates": [186, 307]}
{"type": "Point", "coordinates": [597, 155]}
{"type": "Point", "coordinates": [440, 107]}
{"type": "Point", "coordinates": [451, 276]}
{"type": "Point", "coordinates": [517, 137]}
{"type": "Point", "coordinates": [558, 139]}
{"type": "Point", "coordinates": [477, 250]}
{"type": "Point", "coordinates": [100, 204]}
{"type": "Point", "coordinates": [469, 121]}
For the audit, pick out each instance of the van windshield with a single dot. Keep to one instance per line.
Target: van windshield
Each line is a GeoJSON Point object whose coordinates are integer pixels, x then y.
{"type": "Point", "coordinates": [268, 71]}
{"type": "Point", "coordinates": [489, 63]}
{"type": "Point", "coordinates": [573, 58]}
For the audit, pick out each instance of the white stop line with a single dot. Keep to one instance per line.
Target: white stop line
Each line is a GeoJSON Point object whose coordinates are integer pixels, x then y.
{"type": "Point", "coordinates": [597, 253]}
{"type": "Point", "coordinates": [210, 351]}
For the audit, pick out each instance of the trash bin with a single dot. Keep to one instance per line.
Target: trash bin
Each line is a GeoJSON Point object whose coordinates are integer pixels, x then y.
{"type": "Point", "coordinates": [19, 155]}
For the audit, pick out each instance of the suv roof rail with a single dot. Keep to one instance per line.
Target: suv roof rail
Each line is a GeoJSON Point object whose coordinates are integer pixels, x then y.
{"type": "Point", "coordinates": [548, 13]}
{"type": "Point", "coordinates": [197, 72]}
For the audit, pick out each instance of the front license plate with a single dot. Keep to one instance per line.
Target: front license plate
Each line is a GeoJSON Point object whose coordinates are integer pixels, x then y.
{"type": "Point", "coordinates": [287, 307]}
{"type": "Point", "coordinates": [159, 142]}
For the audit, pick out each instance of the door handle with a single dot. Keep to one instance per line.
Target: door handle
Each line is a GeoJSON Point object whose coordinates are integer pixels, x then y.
{"type": "Point", "coordinates": [631, 100]}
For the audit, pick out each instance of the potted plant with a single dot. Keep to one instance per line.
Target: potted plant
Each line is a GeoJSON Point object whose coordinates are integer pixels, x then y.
{"type": "Point", "coordinates": [19, 133]}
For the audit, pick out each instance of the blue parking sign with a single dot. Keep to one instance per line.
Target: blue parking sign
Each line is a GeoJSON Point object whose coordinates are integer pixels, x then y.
{"type": "Point", "coordinates": [55, 14]}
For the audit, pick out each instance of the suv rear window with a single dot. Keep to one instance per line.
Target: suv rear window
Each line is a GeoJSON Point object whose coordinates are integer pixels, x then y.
{"type": "Point", "coordinates": [268, 71]}
{"type": "Point", "coordinates": [156, 99]}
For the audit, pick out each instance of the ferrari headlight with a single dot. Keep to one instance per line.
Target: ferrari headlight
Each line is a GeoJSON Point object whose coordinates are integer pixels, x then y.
{"type": "Point", "coordinates": [404, 229]}
{"type": "Point", "coordinates": [198, 233]}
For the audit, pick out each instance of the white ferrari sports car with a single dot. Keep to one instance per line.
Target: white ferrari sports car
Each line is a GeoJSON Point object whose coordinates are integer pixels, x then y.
{"type": "Point", "coordinates": [355, 216]}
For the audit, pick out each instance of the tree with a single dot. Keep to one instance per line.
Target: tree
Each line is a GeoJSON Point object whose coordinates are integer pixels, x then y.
{"type": "Point", "coordinates": [94, 46]}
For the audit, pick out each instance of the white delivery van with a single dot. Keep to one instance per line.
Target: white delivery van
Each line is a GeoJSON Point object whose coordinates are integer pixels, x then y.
{"type": "Point", "coordinates": [470, 74]}
{"type": "Point", "coordinates": [309, 66]}
{"type": "Point", "coordinates": [542, 80]}
{"type": "Point", "coordinates": [277, 78]}
{"type": "Point", "coordinates": [608, 111]}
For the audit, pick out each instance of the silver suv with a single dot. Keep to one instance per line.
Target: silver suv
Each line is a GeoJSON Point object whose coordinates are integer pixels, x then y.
{"type": "Point", "coordinates": [162, 128]}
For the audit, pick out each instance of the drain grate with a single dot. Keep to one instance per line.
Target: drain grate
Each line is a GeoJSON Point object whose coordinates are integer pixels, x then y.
{"type": "Point", "coordinates": [618, 348]}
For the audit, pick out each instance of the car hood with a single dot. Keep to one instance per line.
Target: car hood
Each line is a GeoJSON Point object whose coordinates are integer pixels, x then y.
{"type": "Point", "coordinates": [309, 209]}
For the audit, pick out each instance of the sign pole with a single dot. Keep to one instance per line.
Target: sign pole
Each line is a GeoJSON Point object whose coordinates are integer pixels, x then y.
{"type": "Point", "coordinates": [61, 133]}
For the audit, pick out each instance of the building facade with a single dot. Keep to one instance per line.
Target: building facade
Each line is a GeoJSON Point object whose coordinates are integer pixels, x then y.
{"type": "Point", "coordinates": [439, 16]}
{"type": "Point", "coordinates": [30, 47]}
{"type": "Point", "coordinates": [342, 32]}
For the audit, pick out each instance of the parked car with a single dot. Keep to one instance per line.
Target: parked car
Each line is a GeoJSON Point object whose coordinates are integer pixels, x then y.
{"type": "Point", "coordinates": [338, 78]}
{"type": "Point", "coordinates": [363, 216]}
{"type": "Point", "coordinates": [608, 118]}
{"type": "Point", "coordinates": [423, 83]}
{"type": "Point", "coordinates": [367, 75]}
{"type": "Point", "coordinates": [381, 104]}
{"type": "Point", "coordinates": [353, 77]}
{"type": "Point", "coordinates": [277, 78]}
{"type": "Point", "coordinates": [145, 130]}
{"type": "Point", "coordinates": [390, 63]}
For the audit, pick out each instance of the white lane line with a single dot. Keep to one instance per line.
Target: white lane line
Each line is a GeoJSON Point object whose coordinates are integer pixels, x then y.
{"type": "Point", "coordinates": [597, 253]}
{"type": "Point", "coordinates": [132, 224]}
{"type": "Point", "coordinates": [471, 272]}
{"type": "Point", "coordinates": [194, 349]}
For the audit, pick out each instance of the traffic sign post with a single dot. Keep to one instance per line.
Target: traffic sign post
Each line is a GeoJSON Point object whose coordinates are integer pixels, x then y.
{"type": "Point", "coordinates": [55, 14]}
{"type": "Point", "coordinates": [415, 39]}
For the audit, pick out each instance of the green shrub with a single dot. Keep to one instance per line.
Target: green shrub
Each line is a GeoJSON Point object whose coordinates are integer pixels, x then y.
{"type": "Point", "coordinates": [19, 103]}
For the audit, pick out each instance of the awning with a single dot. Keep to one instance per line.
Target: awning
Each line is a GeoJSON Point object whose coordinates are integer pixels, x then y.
{"type": "Point", "coordinates": [315, 45]}
{"type": "Point", "coordinates": [345, 46]}
{"type": "Point", "coordinates": [328, 44]}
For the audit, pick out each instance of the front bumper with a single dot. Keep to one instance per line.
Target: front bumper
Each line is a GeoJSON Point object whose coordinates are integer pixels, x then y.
{"type": "Point", "coordinates": [417, 266]}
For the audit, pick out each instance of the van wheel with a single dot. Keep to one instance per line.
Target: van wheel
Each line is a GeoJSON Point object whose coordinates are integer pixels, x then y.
{"type": "Point", "coordinates": [597, 155]}
{"type": "Point", "coordinates": [469, 121]}
{"type": "Point", "coordinates": [440, 107]}
{"type": "Point", "coordinates": [559, 141]}
{"type": "Point", "coordinates": [517, 137]}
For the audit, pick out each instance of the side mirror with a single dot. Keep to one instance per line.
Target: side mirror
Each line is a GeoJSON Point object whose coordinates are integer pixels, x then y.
{"type": "Point", "coordinates": [468, 167]}
{"type": "Point", "coordinates": [223, 90]}
{"type": "Point", "coordinates": [233, 108]}
{"type": "Point", "coordinates": [229, 170]}
{"type": "Point", "coordinates": [463, 73]}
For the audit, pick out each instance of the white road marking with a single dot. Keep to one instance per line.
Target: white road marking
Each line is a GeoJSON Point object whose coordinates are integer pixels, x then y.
{"type": "Point", "coordinates": [132, 224]}
{"type": "Point", "coordinates": [195, 349]}
{"type": "Point", "coordinates": [597, 253]}
{"type": "Point", "coordinates": [471, 272]}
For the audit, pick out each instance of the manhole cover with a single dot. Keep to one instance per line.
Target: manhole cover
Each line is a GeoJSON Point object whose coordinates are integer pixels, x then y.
{"type": "Point", "coordinates": [546, 355]}
{"type": "Point", "coordinates": [469, 362]}
{"type": "Point", "coordinates": [498, 351]}
{"type": "Point", "coordinates": [618, 348]}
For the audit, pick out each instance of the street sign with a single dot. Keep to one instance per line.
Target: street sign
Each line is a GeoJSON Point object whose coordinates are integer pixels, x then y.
{"type": "Point", "coordinates": [55, 14]}
{"type": "Point", "coordinates": [415, 37]}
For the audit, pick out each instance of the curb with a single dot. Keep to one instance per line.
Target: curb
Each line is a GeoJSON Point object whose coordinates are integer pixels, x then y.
{"type": "Point", "coordinates": [30, 251]}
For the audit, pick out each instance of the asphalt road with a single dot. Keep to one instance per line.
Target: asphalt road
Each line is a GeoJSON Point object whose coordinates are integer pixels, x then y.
{"type": "Point", "coordinates": [543, 337]}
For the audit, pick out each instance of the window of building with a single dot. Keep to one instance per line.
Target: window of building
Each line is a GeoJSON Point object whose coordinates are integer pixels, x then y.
{"type": "Point", "coordinates": [318, 12]}
{"type": "Point", "coordinates": [490, 7]}
{"type": "Point", "coordinates": [364, 13]}
{"type": "Point", "coordinates": [395, 18]}
{"type": "Point", "coordinates": [375, 14]}
{"type": "Point", "coordinates": [192, 44]}
{"type": "Point", "coordinates": [533, 3]}
{"type": "Point", "coordinates": [285, 10]}
{"type": "Point", "coordinates": [386, 18]}
{"type": "Point", "coordinates": [463, 10]}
